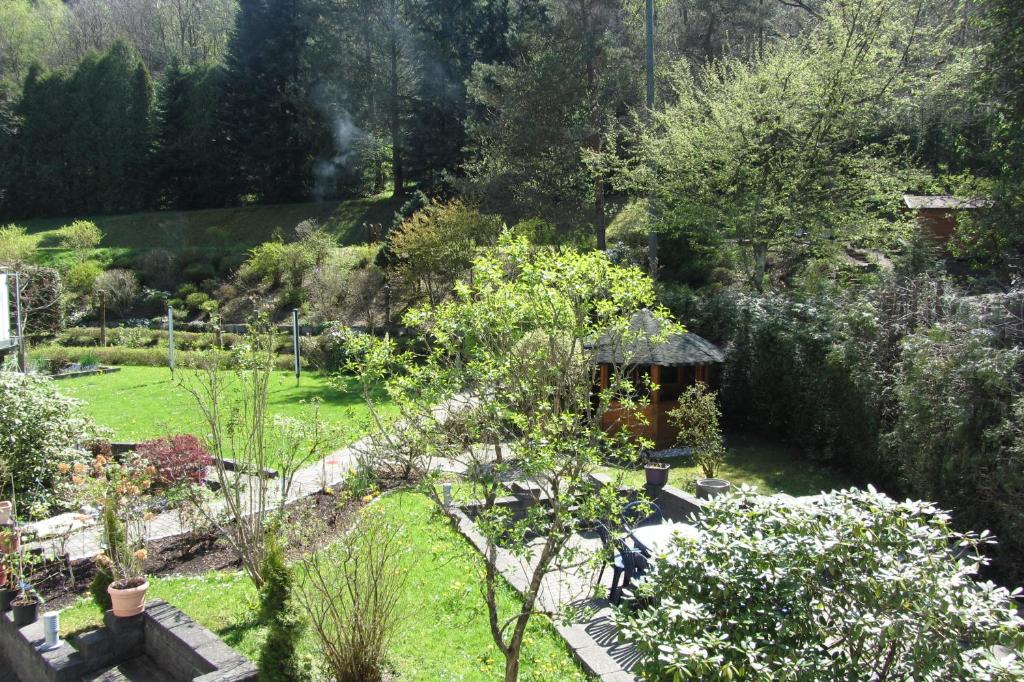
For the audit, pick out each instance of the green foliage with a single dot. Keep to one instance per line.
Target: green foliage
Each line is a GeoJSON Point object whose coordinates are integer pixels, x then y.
{"type": "Point", "coordinates": [697, 417]}
{"type": "Point", "coordinates": [279, 656]}
{"type": "Point", "coordinates": [190, 163]}
{"type": "Point", "coordinates": [907, 384]}
{"type": "Point", "coordinates": [114, 541]}
{"type": "Point", "coordinates": [119, 289]}
{"type": "Point", "coordinates": [40, 429]}
{"type": "Point", "coordinates": [958, 434]}
{"type": "Point", "coordinates": [516, 345]}
{"type": "Point", "coordinates": [436, 245]}
{"type": "Point", "coordinates": [16, 245]}
{"type": "Point", "coordinates": [81, 277]}
{"type": "Point", "coordinates": [68, 163]}
{"type": "Point", "coordinates": [272, 126]}
{"type": "Point", "coordinates": [853, 586]}
{"type": "Point", "coordinates": [782, 156]}
{"type": "Point", "coordinates": [80, 236]}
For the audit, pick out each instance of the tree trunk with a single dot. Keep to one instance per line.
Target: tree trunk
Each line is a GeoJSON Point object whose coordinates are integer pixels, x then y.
{"type": "Point", "coordinates": [398, 175]}
{"type": "Point", "coordinates": [512, 668]}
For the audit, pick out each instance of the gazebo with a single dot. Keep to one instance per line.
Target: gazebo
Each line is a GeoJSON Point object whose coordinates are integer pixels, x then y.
{"type": "Point", "coordinates": [673, 364]}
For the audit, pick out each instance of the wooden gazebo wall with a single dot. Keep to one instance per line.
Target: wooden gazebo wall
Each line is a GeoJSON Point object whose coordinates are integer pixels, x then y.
{"type": "Point", "coordinates": [655, 425]}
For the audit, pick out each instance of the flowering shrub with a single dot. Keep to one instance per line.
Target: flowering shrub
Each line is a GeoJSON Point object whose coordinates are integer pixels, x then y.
{"type": "Point", "coordinates": [177, 459]}
{"type": "Point", "coordinates": [856, 586]}
{"type": "Point", "coordinates": [39, 430]}
{"type": "Point", "coordinates": [120, 490]}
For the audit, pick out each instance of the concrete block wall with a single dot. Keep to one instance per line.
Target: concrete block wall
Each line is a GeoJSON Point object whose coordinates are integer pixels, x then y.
{"type": "Point", "coordinates": [180, 647]}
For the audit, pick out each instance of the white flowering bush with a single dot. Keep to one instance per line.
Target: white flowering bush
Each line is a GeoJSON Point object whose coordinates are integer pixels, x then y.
{"type": "Point", "coordinates": [854, 587]}
{"type": "Point", "coordinates": [40, 429]}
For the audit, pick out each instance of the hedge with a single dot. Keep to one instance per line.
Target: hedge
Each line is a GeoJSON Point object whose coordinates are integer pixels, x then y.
{"type": "Point", "coordinates": [117, 355]}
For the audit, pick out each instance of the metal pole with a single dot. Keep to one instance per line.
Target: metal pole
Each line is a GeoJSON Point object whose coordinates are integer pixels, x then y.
{"type": "Point", "coordinates": [652, 236]}
{"type": "Point", "coordinates": [170, 338]}
{"type": "Point", "coordinates": [295, 344]}
{"type": "Point", "coordinates": [22, 360]}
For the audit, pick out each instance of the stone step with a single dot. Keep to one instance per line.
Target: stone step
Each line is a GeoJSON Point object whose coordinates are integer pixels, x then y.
{"type": "Point", "coordinates": [141, 669]}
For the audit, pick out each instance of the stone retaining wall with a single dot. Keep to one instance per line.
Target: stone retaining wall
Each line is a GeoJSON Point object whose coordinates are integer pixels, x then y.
{"type": "Point", "coordinates": [162, 638]}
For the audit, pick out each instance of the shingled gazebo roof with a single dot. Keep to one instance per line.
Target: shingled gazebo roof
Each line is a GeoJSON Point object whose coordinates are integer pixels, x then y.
{"type": "Point", "coordinates": [676, 350]}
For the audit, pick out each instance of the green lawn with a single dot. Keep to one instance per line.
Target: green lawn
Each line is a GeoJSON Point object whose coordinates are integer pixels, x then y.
{"type": "Point", "coordinates": [145, 402]}
{"type": "Point", "coordinates": [443, 636]}
{"type": "Point", "coordinates": [224, 230]}
{"type": "Point", "coordinates": [770, 467]}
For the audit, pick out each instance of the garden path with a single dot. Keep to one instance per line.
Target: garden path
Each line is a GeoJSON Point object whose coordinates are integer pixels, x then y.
{"type": "Point", "coordinates": [67, 533]}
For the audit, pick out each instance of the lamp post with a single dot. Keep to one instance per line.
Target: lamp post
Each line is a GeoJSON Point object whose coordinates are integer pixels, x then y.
{"type": "Point", "coordinates": [652, 236]}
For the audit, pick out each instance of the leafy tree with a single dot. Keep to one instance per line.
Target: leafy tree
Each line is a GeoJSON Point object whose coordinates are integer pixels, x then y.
{"type": "Point", "coordinates": [506, 388]}
{"type": "Point", "coordinates": [436, 246]}
{"type": "Point", "coordinates": [571, 74]}
{"type": "Point", "coordinates": [853, 586]}
{"type": "Point", "coordinates": [780, 156]}
{"type": "Point", "coordinates": [1004, 86]}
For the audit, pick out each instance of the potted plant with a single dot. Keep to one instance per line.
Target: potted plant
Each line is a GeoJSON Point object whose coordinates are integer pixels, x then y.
{"type": "Point", "coordinates": [8, 586]}
{"type": "Point", "coordinates": [25, 601]}
{"type": "Point", "coordinates": [119, 490]}
{"type": "Point", "coordinates": [128, 591]}
{"type": "Point", "coordinates": [655, 472]}
{"type": "Point", "coordinates": [698, 419]}
{"type": "Point", "coordinates": [25, 606]}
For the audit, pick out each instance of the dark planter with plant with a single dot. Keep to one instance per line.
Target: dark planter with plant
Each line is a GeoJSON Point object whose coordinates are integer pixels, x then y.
{"type": "Point", "coordinates": [7, 595]}
{"type": "Point", "coordinates": [697, 417]}
{"type": "Point", "coordinates": [25, 607]}
{"type": "Point", "coordinates": [656, 473]}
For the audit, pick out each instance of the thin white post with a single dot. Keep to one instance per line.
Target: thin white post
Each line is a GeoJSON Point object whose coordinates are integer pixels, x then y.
{"type": "Point", "coordinates": [170, 338]}
{"type": "Point", "coordinates": [295, 345]}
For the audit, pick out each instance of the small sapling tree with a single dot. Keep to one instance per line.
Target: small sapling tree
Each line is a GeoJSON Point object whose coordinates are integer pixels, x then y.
{"type": "Point", "coordinates": [507, 387]}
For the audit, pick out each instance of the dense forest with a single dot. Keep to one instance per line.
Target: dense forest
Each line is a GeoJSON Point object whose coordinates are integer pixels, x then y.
{"type": "Point", "coordinates": [534, 107]}
{"type": "Point", "coordinates": [764, 188]}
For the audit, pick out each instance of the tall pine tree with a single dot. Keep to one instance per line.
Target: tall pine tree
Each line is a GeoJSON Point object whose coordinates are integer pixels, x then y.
{"type": "Point", "coordinates": [271, 129]}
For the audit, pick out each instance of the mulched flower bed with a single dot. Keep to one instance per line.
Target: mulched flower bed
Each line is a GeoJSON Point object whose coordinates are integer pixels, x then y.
{"type": "Point", "coordinates": [312, 522]}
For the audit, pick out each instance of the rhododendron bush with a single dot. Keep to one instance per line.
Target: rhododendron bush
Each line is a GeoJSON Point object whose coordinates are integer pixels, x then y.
{"type": "Point", "coordinates": [39, 430]}
{"type": "Point", "coordinates": [855, 586]}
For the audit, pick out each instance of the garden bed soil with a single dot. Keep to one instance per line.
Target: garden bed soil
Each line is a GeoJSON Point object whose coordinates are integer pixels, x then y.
{"type": "Point", "coordinates": [312, 522]}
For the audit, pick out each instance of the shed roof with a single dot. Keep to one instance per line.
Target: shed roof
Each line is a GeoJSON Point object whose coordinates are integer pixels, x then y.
{"type": "Point", "coordinates": [676, 350]}
{"type": "Point", "coordinates": [917, 201]}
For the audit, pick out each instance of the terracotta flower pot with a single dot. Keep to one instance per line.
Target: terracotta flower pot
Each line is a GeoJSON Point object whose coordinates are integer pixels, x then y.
{"type": "Point", "coordinates": [128, 597]}
{"type": "Point", "coordinates": [5, 511]}
{"type": "Point", "coordinates": [25, 613]}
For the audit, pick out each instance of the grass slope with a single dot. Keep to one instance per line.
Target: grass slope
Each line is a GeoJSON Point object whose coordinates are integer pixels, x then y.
{"type": "Point", "coordinates": [221, 229]}
{"type": "Point", "coordinates": [145, 402]}
{"type": "Point", "coordinates": [770, 467]}
{"type": "Point", "coordinates": [443, 635]}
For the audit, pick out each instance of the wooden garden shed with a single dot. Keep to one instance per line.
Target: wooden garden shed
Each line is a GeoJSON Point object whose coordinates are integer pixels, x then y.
{"type": "Point", "coordinates": [674, 364]}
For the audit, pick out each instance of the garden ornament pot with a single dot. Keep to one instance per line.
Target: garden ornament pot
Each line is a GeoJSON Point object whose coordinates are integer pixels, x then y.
{"type": "Point", "coordinates": [656, 474]}
{"type": "Point", "coordinates": [128, 597]}
{"type": "Point", "coordinates": [711, 487]}
{"type": "Point", "coordinates": [25, 612]}
{"type": "Point", "coordinates": [5, 511]}
{"type": "Point", "coordinates": [6, 597]}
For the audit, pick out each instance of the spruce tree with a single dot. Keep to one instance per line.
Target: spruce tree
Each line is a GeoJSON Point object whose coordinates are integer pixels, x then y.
{"type": "Point", "coordinates": [270, 124]}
